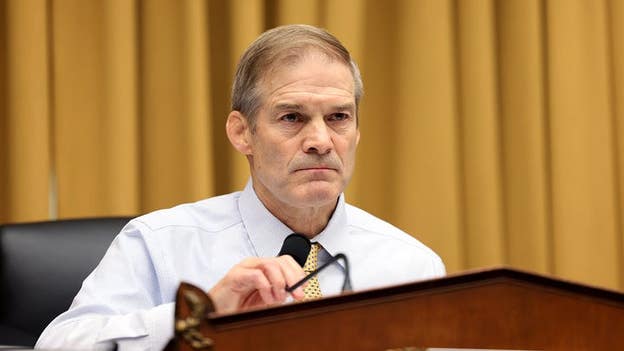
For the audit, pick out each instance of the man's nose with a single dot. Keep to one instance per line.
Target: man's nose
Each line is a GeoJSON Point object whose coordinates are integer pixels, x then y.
{"type": "Point", "coordinates": [317, 137]}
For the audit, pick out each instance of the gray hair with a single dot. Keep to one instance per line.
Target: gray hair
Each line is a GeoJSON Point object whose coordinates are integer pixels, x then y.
{"type": "Point", "coordinates": [272, 48]}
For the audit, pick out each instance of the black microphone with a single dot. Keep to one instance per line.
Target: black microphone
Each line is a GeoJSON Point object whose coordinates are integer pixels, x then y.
{"type": "Point", "coordinates": [346, 283]}
{"type": "Point", "coordinates": [297, 246]}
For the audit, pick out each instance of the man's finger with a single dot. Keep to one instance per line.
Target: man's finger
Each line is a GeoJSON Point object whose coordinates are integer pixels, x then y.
{"type": "Point", "coordinates": [293, 273]}
{"type": "Point", "coordinates": [254, 279]}
{"type": "Point", "coordinates": [274, 273]}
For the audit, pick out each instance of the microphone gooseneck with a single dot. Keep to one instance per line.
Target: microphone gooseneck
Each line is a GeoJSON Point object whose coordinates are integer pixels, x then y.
{"type": "Point", "coordinates": [346, 284]}
{"type": "Point", "coordinates": [297, 246]}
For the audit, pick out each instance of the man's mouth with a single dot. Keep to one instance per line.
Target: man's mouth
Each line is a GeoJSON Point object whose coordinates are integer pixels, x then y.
{"type": "Point", "coordinates": [316, 168]}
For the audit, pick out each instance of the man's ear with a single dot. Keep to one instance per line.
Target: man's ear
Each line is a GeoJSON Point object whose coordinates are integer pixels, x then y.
{"type": "Point", "coordinates": [238, 131]}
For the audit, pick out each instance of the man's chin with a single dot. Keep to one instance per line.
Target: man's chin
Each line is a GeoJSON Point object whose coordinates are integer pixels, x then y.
{"type": "Point", "coordinates": [316, 195]}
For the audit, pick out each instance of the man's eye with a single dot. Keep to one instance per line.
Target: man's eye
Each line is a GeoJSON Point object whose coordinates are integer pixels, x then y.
{"type": "Point", "coordinates": [339, 116]}
{"type": "Point", "coordinates": [290, 117]}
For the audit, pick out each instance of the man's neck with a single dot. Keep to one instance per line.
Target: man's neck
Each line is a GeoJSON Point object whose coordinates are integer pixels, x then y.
{"type": "Point", "coordinates": [308, 221]}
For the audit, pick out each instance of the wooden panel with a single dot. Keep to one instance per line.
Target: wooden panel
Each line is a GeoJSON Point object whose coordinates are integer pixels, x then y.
{"type": "Point", "coordinates": [491, 309]}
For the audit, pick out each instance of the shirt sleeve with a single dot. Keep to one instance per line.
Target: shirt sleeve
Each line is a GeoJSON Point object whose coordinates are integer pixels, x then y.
{"type": "Point", "coordinates": [439, 270]}
{"type": "Point", "coordinates": [121, 302]}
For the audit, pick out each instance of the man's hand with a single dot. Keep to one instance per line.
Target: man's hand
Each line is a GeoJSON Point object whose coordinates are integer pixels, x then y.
{"type": "Point", "coordinates": [256, 282]}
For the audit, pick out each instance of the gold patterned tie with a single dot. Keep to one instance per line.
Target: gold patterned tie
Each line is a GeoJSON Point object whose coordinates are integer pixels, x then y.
{"type": "Point", "coordinates": [312, 290]}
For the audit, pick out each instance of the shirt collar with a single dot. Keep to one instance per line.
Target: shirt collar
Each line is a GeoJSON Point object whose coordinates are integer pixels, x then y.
{"type": "Point", "coordinates": [335, 238]}
{"type": "Point", "coordinates": [267, 233]}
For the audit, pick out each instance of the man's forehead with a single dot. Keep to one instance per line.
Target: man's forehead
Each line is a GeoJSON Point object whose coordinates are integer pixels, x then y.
{"type": "Point", "coordinates": [301, 67]}
{"type": "Point", "coordinates": [294, 86]}
{"type": "Point", "coordinates": [296, 55]}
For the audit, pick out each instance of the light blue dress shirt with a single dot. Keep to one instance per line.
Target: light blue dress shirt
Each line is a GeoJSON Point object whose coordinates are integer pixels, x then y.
{"type": "Point", "coordinates": [129, 297]}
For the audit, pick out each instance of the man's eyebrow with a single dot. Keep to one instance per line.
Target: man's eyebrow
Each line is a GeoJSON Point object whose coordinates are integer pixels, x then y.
{"type": "Point", "coordinates": [287, 106]}
{"type": "Point", "coordinates": [345, 107]}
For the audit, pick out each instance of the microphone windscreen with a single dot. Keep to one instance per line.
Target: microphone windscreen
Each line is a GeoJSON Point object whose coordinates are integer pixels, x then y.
{"type": "Point", "coordinates": [297, 246]}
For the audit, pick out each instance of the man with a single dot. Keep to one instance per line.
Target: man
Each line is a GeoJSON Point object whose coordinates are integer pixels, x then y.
{"type": "Point", "coordinates": [295, 117]}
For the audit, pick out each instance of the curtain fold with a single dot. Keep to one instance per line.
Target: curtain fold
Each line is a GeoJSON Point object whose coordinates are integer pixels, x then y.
{"type": "Point", "coordinates": [247, 21]}
{"type": "Point", "coordinates": [583, 184]}
{"type": "Point", "coordinates": [26, 114]}
{"type": "Point", "coordinates": [524, 134]}
{"type": "Point", "coordinates": [615, 9]}
{"type": "Point", "coordinates": [174, 105]}
{"type": "Point", "coordinates": [492, 130]}
{"type": "Point", "coordinates": [480, 129]}
{"type": "Point", "coordinates": [428, 175]}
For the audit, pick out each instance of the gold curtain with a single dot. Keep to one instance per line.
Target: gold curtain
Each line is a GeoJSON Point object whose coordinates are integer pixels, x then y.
{"type": "Point", "coordinates": [491, 130]}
